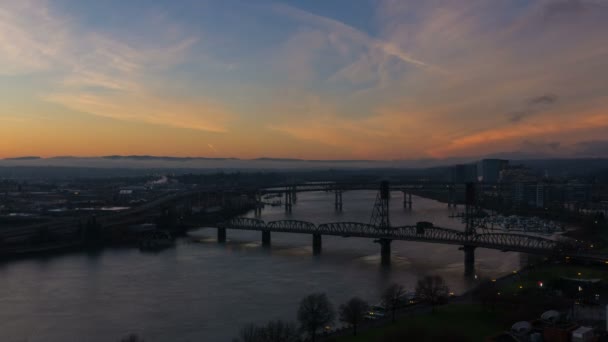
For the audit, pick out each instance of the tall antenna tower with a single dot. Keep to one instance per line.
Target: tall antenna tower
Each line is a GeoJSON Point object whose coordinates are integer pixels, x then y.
{"type": "Point", "coordinates": [380, 215]}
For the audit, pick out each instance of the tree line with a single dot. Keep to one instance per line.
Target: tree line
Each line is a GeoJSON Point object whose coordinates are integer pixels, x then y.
{"type": "Point", "coordinates": [316, 313]}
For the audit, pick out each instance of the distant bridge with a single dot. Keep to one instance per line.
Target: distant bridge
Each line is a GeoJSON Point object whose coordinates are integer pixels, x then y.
{"type": "Point", "coordinates": [349, 186]}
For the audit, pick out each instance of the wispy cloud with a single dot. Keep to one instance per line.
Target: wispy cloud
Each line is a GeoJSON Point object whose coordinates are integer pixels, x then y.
{"type": "Point", "coordinates": [101, 74]}
{"type": "Point", "coordinates": [533, 106]}
{"type": "Point", "coordinates": [350, 33]}
{"type": "Point", "coordinates": [492, 69]}
{"type": "Point", "coordinates": [31, 39]}
{"type": "Point", "coordinates": [147, 108]}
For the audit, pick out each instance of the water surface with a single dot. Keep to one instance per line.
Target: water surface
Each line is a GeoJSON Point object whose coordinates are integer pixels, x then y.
{"type": "Point", "coordinates": [204, 291]}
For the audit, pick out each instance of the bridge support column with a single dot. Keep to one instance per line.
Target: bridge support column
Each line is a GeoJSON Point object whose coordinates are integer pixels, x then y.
{"type": "Point", "coordinates": [258, 205]}
{"type": "Point", "coordinates": [294, 195]}
{"type": "Point", "coordinates": [288, 201]}
{"type": "Point", "coordinates": [258, 210]}
{"type": "Point", "coordinates": [266, 238]}
{"type": "Point", "coordinates": [469, 260]}
{"type": "Point", "coordinates": [221, 235]}
{"type": "Point", "coordinates": [316, 244]}
{"type": "Point", "coordinates": [385, 251]}
{"type": "Point", "coordinates": [407, 200]}
{"type": "Point", "coordinates": [338, 200]}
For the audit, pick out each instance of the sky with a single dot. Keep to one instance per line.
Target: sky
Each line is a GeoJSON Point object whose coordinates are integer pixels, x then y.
{"type": "Point", "coordinates": [310, 79]}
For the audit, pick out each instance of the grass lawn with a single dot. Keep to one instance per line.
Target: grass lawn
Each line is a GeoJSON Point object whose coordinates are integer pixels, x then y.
{"type": "Point", "coordinates": [467, 320]}
{"type": "Point", "coordinates": [550, 273]}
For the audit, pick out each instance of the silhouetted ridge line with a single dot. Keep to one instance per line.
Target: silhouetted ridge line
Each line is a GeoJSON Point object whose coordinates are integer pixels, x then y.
{"type": "Point", "coordinates": [24, 158]}
{"type": "Point", "coordinates": [164, 158]}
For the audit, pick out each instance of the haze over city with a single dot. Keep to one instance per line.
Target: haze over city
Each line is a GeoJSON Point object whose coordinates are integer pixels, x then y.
{"type": "Point", "coordinates": [380, 79]}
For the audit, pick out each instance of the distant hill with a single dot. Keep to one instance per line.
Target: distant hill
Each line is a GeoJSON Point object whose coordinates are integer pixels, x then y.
{"type": "Point", "coordinates": [116, 165]}
{"type": "Point", "coordinates": [24, 158]}
{"type": "Point", "coordinates": [161, 158]}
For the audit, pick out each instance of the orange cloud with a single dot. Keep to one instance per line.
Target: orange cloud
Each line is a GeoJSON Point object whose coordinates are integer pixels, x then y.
{"type": "Point", "coordinates": [480, 141]}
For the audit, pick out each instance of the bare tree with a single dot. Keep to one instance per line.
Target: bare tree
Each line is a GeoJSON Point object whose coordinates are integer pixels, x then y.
{"type": "Point", "coordinates": [392, 298]}
{"type": "Point", "coordinates": [433, 290]}
{"type": "Point", "coordinates": [486, 292]}
{"type": "Point", "coordinates": [315, 312]}
{"type": "Point", "coordinates": [250, 333]}
{"type": "Point", "coordinates": [132, 338]}
{"type": "Point", "coordinates": [273, 331]}
{"type": "Point", "coordinates": [280, 331]}
{"type": "Point", "coordinates": [353, 312]}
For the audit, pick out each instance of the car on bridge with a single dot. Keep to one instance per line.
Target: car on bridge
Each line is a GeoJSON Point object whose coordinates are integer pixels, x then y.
{"type": "Point", "coordinates": [421, 226]}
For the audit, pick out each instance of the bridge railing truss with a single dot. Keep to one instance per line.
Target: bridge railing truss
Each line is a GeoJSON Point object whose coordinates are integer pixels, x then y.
{"type": "Point", "coordinates": [429, 234]}
{"type": "Point", "coordinates": [500, 241]}
{"type": "Point", "coordinates": [292, 226]}
{"type": "Point", "coordinates": [349, 229]}
{"type": "Point", "coordinates": [244, 223]}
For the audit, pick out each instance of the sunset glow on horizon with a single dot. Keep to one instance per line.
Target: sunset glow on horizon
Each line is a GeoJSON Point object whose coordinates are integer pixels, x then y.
{"type": "Point", "coordinates": [343, 79]}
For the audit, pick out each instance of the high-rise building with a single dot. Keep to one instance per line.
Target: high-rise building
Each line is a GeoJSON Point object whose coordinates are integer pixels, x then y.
{"type": "Point", "coordinates": [463, 173]}
{"type": "Point", "coordinates": [488, 170]}
{"type": "Point", "coordinates": [540, 195]}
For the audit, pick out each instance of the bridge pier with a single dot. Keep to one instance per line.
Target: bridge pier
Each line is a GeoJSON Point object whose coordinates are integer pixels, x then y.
{"type": "Point", "coordinates": [469, 260]}
{"type": "Point", "coordinates": [266, 238]}
{"type": "Point", "coordinates": [316, 244]}
{"type": "Point", "coordinates": [288, 201]}
{"type": "Point", "coordinates": [258, 205]}
{"type": "Point", "coordinates": [407, 200]}
{"type": "Point", "coordinates": [258, 210]}
{"type": "Point", "coordinates": [338, 200]}
{"type": "Point", "coordinates": [221, 235]}
{"type": "Point", "coordinates": [294, 195]}
{"type": "Point", "coordinates": [385, 251]}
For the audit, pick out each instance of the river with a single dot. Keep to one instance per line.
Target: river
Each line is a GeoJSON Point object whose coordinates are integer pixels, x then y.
{"type": "Point", "coordinates": [203, 291]}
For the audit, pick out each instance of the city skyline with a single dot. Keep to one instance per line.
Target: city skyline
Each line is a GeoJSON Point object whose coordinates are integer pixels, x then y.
{"type": "Point", "coordinates": [379, 80]}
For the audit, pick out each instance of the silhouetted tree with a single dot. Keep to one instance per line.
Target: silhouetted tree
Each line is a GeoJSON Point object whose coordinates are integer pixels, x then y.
{"type": "Point", "coordinates": [315, 312]}
{"type": "Point", "coordinates": [487, 294]}
{"type": "Point", "coordinates": [273, 331]}
{"type": "Point", "coordinates": [43, 235]}
{"type": "Point", "coordinates": [250, 333]}
{"type": "Point", "coordinates": [92, 233]}
{"type": "Point", "coordinates": [168, 219]}
{"type": "Point", "coordinates": [415, 333]}
{"type": "Point", "coordinates": [132, 338]}
{"type": "Point", "coordinates": [392, 298]}
{"type": "Point", "coordinates": [353, 312]}
{"type": "Point", "coordinates": [433, 290]}
{"type": "Point", "coordinates": [280, 331]}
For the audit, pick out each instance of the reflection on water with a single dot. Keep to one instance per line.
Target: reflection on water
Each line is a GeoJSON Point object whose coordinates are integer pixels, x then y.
{"type": "Point", "coordinates": [201, 290]}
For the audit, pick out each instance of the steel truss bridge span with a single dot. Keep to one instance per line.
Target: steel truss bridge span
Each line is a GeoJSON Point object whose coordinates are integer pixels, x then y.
{"type": "Point", "coordinates": [311, 187]}
{"type": "Point", "coordinates": [500, 241]}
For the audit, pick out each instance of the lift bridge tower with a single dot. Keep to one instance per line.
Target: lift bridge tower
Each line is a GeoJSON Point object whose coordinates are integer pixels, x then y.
{"type": "Point", "coordinates": [381, 220]}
